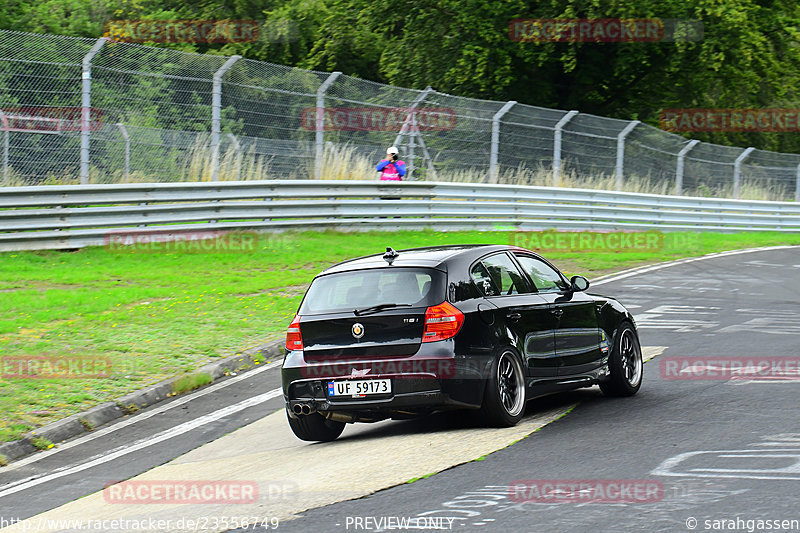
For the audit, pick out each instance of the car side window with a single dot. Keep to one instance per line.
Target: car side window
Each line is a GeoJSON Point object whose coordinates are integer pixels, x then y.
{"type": "Point", "coordinates": [544, 277]}
{"type": "Point", "coordinates": [497, 275]}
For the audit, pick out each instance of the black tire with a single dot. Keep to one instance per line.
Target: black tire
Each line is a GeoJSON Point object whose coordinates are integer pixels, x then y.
{"type": "Point", "coordinates": [315, 427]}
{"type": "Point", "coordinates": [505, 394]}
{"type": "Point", "coordinates": [624, 364]}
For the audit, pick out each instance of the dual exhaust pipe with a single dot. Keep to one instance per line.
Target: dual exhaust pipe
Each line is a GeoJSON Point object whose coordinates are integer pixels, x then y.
{"type": "Point", "coordinates": [304, 408]}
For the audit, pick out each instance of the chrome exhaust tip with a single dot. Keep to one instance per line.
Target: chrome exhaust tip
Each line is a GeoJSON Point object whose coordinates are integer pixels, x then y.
{"type": "Point", "coordinates": [302, 407]}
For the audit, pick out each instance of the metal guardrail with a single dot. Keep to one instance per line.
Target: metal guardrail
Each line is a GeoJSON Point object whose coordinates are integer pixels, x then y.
{"type": "Point", "coordinates": [64, 217]}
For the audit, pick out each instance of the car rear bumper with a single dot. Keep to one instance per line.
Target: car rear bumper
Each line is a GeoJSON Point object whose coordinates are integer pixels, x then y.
{"type": "Point", "coordinates": [420, 383]}
{"type": "Point", "coordinates": [373, 409]}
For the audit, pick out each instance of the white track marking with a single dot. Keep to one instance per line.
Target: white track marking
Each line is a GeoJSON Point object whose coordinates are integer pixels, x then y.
{"type": "Point", "coordinates": [642, 270]}
{"type": "Point", "coordinates": [775, 325]}
{"type": "Point", "coordinates": [675, 317]}
{"type": "Point", "coordinates": [674, 465]}
{"type": "Point", "coordinates": [105, 457]}
{"type": "Point", "coordinates": [140, 417]}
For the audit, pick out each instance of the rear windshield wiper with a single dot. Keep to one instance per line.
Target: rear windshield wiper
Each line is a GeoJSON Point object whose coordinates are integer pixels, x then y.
{"type": "Point", "coordinates": [376, 308]}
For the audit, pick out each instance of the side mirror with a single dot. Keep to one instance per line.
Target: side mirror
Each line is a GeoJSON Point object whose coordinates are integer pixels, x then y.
{"type": "Point", "coordinates": [579, 283]}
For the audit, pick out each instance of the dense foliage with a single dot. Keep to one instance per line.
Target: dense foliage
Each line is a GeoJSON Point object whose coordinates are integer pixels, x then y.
{"type": "Point", "coordinates": [748, 56]}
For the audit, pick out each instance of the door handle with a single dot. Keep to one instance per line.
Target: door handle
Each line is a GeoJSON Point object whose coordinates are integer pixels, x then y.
{"type": "Point", "coordinates": [513, 316]}
{"type": "Point", "coordinates": [557, 312]}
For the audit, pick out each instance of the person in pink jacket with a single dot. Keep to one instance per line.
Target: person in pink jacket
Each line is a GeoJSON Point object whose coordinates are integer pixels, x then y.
{"type": "Point", "coordinates": [391, 168]}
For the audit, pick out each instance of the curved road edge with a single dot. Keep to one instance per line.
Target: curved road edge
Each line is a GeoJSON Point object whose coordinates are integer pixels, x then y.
{"type": "Point", "coordinates": [72, 426]}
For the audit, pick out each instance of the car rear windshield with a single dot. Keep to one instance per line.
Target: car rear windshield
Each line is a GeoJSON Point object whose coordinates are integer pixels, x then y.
{"type": "Point", "coordinates": [360, 289]}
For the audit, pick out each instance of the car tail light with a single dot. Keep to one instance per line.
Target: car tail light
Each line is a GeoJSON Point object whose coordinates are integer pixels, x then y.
{"type": "Point", "coordinates": [442, 322]}
{"type": "Point", "coordinates": [294, 341]}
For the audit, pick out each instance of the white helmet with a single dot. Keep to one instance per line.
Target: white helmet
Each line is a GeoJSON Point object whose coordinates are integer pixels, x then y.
{"type": "Point", "coordinates": [392, 150]}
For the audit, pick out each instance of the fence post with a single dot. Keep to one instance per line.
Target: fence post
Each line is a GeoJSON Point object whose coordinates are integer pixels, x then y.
{"type": "Point", "coordinates": [557, 146]}
{"type": "Point", "coordinates": [86, 106]}
{"type": "Point", "coordinates": [319, 141]}
{"type": "Point", "coordinates": [127, 169]}
{"type": "Point", "coordinates": [493, 172]}
{"type": "Point", "coordinates": [411, 120]}
{"type": "Point", "coordinates": [797, 185]}
{"type": "Point", "coordinates": [737, 171]}
{"type": "Point", "coordinates": [6, 142]}
{"type": "Point", "coordinates": [216, 113]}
{"type": "Point", "coordinates": [621, 151]}
{"type": "Point", "coordinates": [679, 169]}
{"type": "Point", "coordinates": [4, 126]}
{"type": "Point", "coordinates": [238, 149]}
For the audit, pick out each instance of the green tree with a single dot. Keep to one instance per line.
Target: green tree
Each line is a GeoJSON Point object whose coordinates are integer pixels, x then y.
{"type": "Point", "coordinates": [748, 56]}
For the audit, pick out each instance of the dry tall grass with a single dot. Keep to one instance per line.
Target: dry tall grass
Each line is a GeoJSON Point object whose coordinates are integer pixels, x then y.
{"type": "Point", "coordinates": [344, 162]}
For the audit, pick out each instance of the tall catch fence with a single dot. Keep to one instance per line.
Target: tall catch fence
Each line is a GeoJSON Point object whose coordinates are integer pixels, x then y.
{"type": "Point", "coordinates": [76, 110]}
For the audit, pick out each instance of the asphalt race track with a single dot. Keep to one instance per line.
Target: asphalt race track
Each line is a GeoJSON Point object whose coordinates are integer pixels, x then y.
{"type": "Point", "coordinates": [722, 449]}
{"type": "Point", "coordinates": [712, 448]}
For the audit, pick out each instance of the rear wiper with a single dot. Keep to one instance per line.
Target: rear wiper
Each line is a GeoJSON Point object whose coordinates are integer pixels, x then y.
{"type": "Point", "coordinates": [376, 308]}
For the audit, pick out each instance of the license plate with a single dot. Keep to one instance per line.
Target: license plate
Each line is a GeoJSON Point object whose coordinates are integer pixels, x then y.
{"type": "Point", "coordinates": [358, 388]}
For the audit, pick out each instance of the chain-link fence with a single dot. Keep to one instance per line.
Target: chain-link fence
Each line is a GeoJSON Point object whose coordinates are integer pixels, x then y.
{"type": "Point", "coordinates": [97, 111]}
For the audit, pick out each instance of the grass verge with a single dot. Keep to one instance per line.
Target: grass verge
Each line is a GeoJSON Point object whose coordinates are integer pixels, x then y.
{"type": "Point", "coordinates": [132, 319]}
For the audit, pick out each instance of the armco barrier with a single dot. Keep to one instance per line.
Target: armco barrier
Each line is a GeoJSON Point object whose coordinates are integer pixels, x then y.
{"type": "Point", "coordinates": [74, 216]}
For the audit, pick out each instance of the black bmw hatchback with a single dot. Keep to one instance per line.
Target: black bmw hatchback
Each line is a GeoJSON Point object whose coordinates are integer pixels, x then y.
{"type": "Point", "coordinates": [483, 327]}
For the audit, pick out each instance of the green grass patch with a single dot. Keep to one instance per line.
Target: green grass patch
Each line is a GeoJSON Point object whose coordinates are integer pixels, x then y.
{"type": "Point", "coordinates": [426, 476]}
{"type": "Point", "coordinates": [41, 443]}
{"type": "Point", "coordinates": [190, 382]}
{"type": "Point", "coordinates": [146, 317]}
